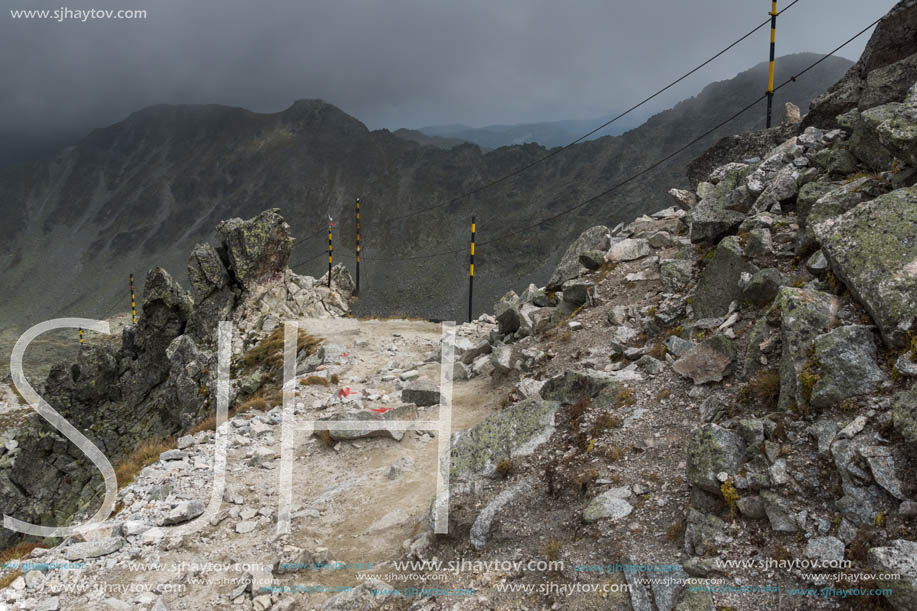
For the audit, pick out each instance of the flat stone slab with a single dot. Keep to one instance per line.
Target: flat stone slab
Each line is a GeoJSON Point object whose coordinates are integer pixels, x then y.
{"type": "Point", "coordinates": [94, 548]}
{"type": "Point", "coordinates": [872, 250]}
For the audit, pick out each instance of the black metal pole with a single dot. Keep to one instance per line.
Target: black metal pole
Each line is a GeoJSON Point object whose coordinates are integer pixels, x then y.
{"type": "Point", "coordinates": [133, 303]}
{"type": "Point", "coordinates": [358, 247]}
{"type": "Point", "coordinates": [770, 77]}
{"type": "Point", "coordinates": [471, 272]}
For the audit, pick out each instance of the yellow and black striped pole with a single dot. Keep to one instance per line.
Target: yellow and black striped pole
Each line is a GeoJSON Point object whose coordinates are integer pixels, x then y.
{"type": "Point", "coordinates": [133, 303]}
{"type": "Point", "coordinates": [770, 75]}
{"type": "Point", "coordinates": [329, 251]}
{"type": "Point", "coordinates": [471, 271]}
{"type": "Point", "coordinates": [81, 338]}
{"type": "Point", "coordinates": [357, 292]}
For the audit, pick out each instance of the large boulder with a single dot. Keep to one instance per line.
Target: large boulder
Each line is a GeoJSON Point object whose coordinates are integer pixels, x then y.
{"type": "Point", "coordinates": [873, 250]}
{"type": "Point", "coordinates": [256, 248]}
{"type": "Point", "coordinates": [846, 365]}
{"type": "Point", "coordinates": [709, 221]}
{"type": "Point", "coordinates": [376, 424]}
{"type": "Point", "coordinates": [864, 139]}
{"type": "Point", "coordinates": [898, 131]}
{"type": "Point", "coordinates": [835, 202]}
{"type": "Point", "coordinates": [514, 431]}
{"type": "Point", "coordinates": [628, 250]}
{"type": "Point", "coordinates": [804, 314]}
{"type": "Point", "coordinates": [718, 284]}
{"type": "Point", "coordinates": [905, 418]}
{"type": "Point", "coordinates": [711, 451]}
{"type": "Point", "coordinates": [571, 386]}
{"type": "Point", "coordinates": [211, 288]}
{"type": "Point", "coordinates": [676, 274]}
{"type": "Point", "coordinates": [506, 311]}
{"type": "Point", "coordinates": [896, 566]}
{"type": "Point", "coordinates": [594, 238]}
{"type": "Point", "coordinates": [710, 361]}
{"type": "Point", "coordinates": [883, 73]}
{"type": "Point", "coordinates": [610, 505]}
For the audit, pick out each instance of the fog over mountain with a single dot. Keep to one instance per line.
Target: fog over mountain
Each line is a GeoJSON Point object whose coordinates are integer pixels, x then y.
{"type": "Point", "coordinates": [142, 192]}
{"type": "Point", "coordinates": [396, 64]}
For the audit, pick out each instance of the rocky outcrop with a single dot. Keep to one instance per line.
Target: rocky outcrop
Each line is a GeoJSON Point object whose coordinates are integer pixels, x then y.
{"type": "Point", "coordinates": [515, 431]}
{"type": "Point", "coordinates": [884, 72]}
{"type": "Point", "coordinates": [718, 285]}
{"type": "Point", "coordinates": [804, 315]}
{"type": "Point", "coordinates": [258, 248]}
{"type": "Point", "coordinates": [162, 377]}
{"type": "Point", "coordinates": [898, 560]}
{"type": "Point", "coordinates": [872, 250]}
{"type": "Point", "coordinates": [594, 238]}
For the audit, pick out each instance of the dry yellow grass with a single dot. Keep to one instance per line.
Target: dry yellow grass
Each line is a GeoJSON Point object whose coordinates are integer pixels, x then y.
{"type": "Point", "coordinates": [208, 424]}
{"type": "Point", "coordinates": [255, 402]}
{"type": "Point", "coordinates": [19, 550]}
{"type": "Point", "coordinates": [6, 580]}
{"type": "Point", "coordinates": [268, 353]}
{"type": "Point", "coordinates": [143, 455]}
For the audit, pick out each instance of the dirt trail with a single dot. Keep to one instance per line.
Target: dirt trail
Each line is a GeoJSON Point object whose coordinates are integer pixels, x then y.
{"type": "Point", "coordinates": [343, 497]}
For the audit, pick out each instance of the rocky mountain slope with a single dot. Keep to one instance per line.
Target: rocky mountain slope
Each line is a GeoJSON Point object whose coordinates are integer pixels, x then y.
{"type": "Point", "coordinates": [727, 381]}
{"type": "Point", "coordinates": [709, 407]}
{"type": "Point", "coordinates": [142, 192]}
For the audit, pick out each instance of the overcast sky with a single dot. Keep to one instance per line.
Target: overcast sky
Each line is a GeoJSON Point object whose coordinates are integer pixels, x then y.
{"type": "Point", "coordinates": [391, 63]}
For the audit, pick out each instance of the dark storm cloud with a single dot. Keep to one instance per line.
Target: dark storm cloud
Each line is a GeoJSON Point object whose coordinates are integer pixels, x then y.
{"type": "Point", "coordinates": [390, 63]}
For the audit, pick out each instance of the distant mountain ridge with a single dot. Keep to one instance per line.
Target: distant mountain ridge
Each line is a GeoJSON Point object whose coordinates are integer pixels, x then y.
{"type": "Point", "coordinates": [547, 133]}
{"type": "Point", "coordinates": [141, 192]}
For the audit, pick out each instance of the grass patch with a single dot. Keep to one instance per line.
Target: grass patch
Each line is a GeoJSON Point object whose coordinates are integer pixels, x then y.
{"type": "Point", "coordinates": [664, 394]}
{"type": "Point", "coordinates": [268, 354]}
{"type": "Point", "coordinates": [6, 580]}
{"type": "Point", "coordinates": [605, 422]}
{"type": "Point", "coordinates": [625, 396]}
{"type": "Point", "coordinates": [325, 437]}
{"type": "Point", "coordinates": [657, 351]}
{"type": "Point", "coordinates": [315, 381]}
{"type": "Point", "coordinates": [676, 531]}
{"type": "Point", "coordinates": [552, 549]}
{"type": "Point", "coordinates": [763, 387]}
{"type": "Point", "coordinates": [604, 270]}
{"type": "Point", "coordinates": [18, 394]}
{"type": "Point", "coordinates": [254, 403]}
{"type": "Point", "coordinates": [143, 455]}
{"type": "Point", "coordinates": [505, 468]}
{"type": "Point", "coordinates": [19, 550]}
{"type": "Point", "coordinates": [615, 453]}
{"type": "Point", "coordinates": [207, 424]}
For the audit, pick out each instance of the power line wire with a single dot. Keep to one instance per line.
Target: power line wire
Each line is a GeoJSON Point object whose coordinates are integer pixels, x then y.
{"type": "Point", "coordinates": [645, 170]}
{"type": "Point", "coordinates": [683, 148]}
{"type": "Point", "coordinates": [561, 149]}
